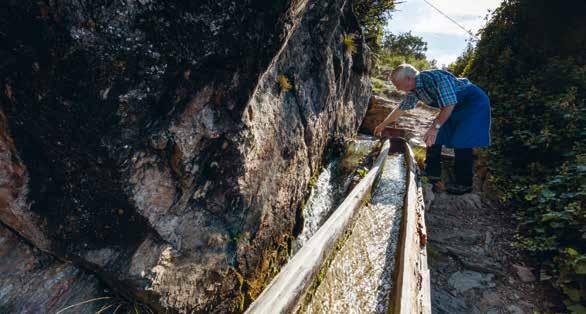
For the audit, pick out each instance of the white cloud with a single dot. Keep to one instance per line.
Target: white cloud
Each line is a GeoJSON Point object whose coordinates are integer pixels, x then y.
{"type": "Point", "coordinates": [465, 7]}
{"type": "Point", "coordinates": [446, 59]}
{"type": "Point", "coordinates": [440, 25]}
{"type": "Point", "coordinates": [418, 17]}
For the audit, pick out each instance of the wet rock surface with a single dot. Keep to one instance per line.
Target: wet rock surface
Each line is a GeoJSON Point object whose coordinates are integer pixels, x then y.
{"type": "Point", "coordinates": [360, 276]}
{"type": "Point", "coordinates": [332, 185]}
{"type": "Point", "coordinates": [150, 142]}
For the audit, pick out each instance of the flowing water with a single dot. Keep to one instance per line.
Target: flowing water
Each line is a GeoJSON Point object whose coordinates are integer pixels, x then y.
{"type": "Point", "coordinates": [360, 276]}
{"type": "Point", "coordinates": [331, 187]}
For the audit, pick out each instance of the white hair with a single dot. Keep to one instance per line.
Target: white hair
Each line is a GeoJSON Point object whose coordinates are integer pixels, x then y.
{"type": "Point", "coordinates": [404, 70]}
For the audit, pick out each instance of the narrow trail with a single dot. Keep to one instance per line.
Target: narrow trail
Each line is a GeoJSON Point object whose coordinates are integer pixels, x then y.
{"type": "Point", "coordinates": [473, 267]}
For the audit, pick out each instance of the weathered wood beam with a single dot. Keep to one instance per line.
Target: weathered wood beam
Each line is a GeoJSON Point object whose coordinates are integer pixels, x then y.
{"type": "Point", "coordinates": [412, 288]}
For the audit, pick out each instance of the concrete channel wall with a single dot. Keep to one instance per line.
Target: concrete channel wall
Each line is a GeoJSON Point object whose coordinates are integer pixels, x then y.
{"type": "Point", "coordinates": [287, 291]}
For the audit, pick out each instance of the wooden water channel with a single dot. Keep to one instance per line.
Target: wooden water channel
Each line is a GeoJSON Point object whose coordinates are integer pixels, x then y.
{"type": "Point", "coordinates": [304, 284]}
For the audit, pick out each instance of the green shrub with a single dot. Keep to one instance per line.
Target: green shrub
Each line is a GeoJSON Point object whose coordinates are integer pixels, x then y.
{"type": "Point", "coordinates": [385, 88]}
{"type": "Point", "coordinates": [372, 16]}
{"type": "Point", "coordinates": [536, 79]}
{"type": "Point", "coordinates": [460, 66]}
{"type": "Point", "coordinates": [405, 44]}
{"type": "Point", "coordinates": [362, 172]}
{"type": "Point", "coordinates": [388, 57]}
{"type": "Point", "coordinates": [386, 62]}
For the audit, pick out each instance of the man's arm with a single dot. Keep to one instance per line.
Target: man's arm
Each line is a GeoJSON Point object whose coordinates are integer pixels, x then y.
{"type": "Point", "coordinates": [408, 103]}
{"type": "Point", "coordinates": [444, 114]}
{"type": "Point", "coordinates": [441, 118]}
{"type": "Point", "coordinates": [392, 117]}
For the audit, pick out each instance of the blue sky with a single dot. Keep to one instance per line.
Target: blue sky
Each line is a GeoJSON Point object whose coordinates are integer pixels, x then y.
{"type": "Point", "coordinates": [445, 40]}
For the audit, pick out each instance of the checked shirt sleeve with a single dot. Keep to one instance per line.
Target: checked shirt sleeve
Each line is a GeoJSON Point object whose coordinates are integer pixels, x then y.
{"type": "Point", "coordinates": [409, 102]}
{"type": "Point", "coordinates": [446, 92]}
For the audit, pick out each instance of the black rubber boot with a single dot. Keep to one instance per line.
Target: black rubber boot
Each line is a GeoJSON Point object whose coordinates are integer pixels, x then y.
{"type": "Point", "coordinates": [464, 171]}
{"type": "Point", "coordinates": [433, 167]}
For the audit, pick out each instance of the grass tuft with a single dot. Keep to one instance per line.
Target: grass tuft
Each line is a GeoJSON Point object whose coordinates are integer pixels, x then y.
{"type": "Point", "coordinates": [419, 153]}
{"type": "Point", "coordinates": [284, 83]}
{"type": "Point", "coordinates": [349, 43]}
{"type": "Point", "coordinates": [126, 305]}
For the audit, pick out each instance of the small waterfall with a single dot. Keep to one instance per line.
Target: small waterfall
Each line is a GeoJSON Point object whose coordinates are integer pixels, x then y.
{"type": "Point", "coordinates": [331, 187]}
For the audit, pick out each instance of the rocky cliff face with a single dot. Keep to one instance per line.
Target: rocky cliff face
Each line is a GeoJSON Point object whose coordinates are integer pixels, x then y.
{"type": "Point", "coordinates": [34, 282]}
{"type": "Point", "coordinates": [150, 142]}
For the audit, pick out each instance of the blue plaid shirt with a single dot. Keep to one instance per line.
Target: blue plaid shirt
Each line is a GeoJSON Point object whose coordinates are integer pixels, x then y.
{"type": "Point", "coordinates": [436, 88]}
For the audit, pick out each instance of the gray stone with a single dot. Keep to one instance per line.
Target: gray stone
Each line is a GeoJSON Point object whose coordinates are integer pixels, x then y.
{"type": "Point", "coordinates": [466, 202]}
{"type": "Point", "coordinates": [467, 238]}
{"type": "Point", "coordinates": [488, 242]}
{"type": "Point", "coordinates": [524, 273]}
{"type": "Point", "coordinates": [442, 302]}
{"type": "Point", "coordinates": [470, 237]}
{"type": "Point", "coordinates": [515, 309]}
{"type": "Point", "coordinates": [491, 298]}
{"type": "Point", "coordinates": [493, 310]}
{"type": "Point", "coordinates": [465, 280]}
{"type": "Point", "coordinates": [428, 195]}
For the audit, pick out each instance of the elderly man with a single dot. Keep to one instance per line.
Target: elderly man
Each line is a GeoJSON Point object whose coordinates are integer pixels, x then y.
{"type": "Point", "coordinates": [463, 122]}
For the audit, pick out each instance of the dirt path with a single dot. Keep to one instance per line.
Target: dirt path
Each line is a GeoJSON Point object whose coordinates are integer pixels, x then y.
{"type": "Point", "coordinates": [474, 268]}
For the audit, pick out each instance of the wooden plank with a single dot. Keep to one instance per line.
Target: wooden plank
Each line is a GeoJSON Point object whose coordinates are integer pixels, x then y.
{"type": "Point", "coordinates": [425, 292]}
{"type": "Point", "coordinates": [412, 293]}
{"type": "Point", "coordinates": [288, 288]}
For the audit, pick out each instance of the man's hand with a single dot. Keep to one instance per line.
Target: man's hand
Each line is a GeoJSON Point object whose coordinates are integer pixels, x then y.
{"type": "Point", "coordinates": [430, 136]}
{"type": "Point", "coordinates": [378, 131]}
{"type": "Point", "coordinates": [391, 118]}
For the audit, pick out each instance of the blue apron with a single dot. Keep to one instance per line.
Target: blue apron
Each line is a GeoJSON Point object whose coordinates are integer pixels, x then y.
{"type": "Point", "coordinates": [469, 124]}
